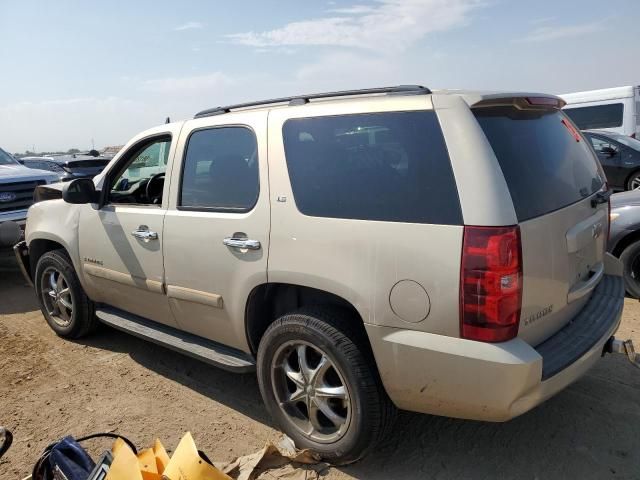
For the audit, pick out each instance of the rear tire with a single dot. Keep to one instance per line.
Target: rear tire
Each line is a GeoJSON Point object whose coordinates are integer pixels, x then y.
{"type": "Point", "coordinates": [64, 304]}
{"type": "Point", "coordinates": [339, 413]}
{"type": "Point", "coordinates": [630, 259]}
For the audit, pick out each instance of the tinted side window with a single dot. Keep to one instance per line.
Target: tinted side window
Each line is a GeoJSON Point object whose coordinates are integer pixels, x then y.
{"type": "Point", "coordinates": [220, 170]}
{"type": "Point", "coordinates": [544, 166]}
{"type": "Point", "coordinates": [378, 166]}
{"type": "Point", "coordinates": [598, 116]}
{"type": "Point", "coordinates": [599, 144]}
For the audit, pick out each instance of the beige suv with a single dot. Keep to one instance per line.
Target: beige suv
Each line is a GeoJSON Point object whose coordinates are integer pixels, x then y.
{"type": "Point", "coordinates": [441, 252]}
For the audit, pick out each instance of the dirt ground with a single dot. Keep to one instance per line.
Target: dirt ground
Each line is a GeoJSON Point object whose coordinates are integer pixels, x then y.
{"type": "Point", "coordinates": [50, 387]}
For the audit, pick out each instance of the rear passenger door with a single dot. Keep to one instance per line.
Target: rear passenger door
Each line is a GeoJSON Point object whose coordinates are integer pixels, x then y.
{"type": "Point", "coordinates": [217, 227]}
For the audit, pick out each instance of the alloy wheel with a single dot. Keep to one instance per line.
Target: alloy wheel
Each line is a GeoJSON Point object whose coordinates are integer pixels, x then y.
{"type": "Point", "coordinates": [311, 391]}
{"type": "Point", "coordinates": [56, 296]}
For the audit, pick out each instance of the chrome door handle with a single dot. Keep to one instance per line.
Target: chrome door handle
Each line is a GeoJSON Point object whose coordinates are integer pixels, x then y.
{"type": "Point", "coordinates": [242, 243]}
{"type": "Point", "coordinates": [143, 233]}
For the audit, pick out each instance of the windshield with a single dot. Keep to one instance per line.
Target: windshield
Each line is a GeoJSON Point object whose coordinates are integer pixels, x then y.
{"type": "Point", "coordinates": [6, 159]}
{"type": "Point", "coordinates": [628, 141]}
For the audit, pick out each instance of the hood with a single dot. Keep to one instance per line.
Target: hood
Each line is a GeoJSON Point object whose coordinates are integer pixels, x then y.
{"type": "Point", "coordinates": [10, 173]}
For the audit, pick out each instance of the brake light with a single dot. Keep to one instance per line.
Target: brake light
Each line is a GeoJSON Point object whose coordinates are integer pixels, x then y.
{"type": "Point", "coordinates": [490, 283]}
{"type": "Point", "coordinates": [571, 129]}
{"type": "Point", "coordinates": [545, 101]}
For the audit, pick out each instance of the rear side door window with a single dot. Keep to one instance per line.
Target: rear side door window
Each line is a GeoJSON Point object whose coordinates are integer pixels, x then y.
{"type": "Point", "coordinates": [220, 170]}
{"type": "Point", "coordinates": [390, 166]}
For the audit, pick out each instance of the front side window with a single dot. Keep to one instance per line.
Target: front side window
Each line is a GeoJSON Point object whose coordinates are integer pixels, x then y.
{"type": "Point", "coordinates": [141, 181]}
{"type": "Point", "coordinates": [220, 170]}
{"type": "Point", "coordinates": [389, 166]}
{"type": "Point", "coordinates": [597, 116]}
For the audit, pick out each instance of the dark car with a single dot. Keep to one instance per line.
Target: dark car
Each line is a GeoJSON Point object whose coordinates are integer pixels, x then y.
{"type": "Point", "coordinates": [69, 167]}
{"type": "Point", "coordinates": [619, 156]}
{"type": "Point", "coordinates": [624, 237]}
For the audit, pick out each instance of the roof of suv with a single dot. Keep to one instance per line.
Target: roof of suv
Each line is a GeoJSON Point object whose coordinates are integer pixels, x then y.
{"type": "Point", "coordinates": [471, 97]}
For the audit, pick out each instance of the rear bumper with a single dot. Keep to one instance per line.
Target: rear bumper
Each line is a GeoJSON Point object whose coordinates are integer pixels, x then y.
{"type": "Point", "coordinates": [460, 378]}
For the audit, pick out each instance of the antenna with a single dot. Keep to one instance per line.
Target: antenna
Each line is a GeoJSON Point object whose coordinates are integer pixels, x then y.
{"type": "Point", "coordinates": [168, 120]}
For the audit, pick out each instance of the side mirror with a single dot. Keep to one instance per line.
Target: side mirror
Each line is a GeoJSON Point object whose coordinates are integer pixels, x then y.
{"type": "Point", "coordinates": [80, 190]}
{"type": "Point", "coordinates": [608, 151]}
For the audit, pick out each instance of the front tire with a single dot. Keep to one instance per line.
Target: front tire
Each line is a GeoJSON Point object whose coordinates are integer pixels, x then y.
{"type": "Point", "coordinates": [319, 382]}
{"type": "Point", "coordinates": [64, 304]}
{"type": "Point", "coordinates": [630, 259]}
{"type": "Point", "coordinates": [634, 181]}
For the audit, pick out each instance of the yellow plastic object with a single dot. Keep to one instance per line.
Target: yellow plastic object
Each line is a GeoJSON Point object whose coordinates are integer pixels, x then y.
{"type": "Point", "coordinates": [148, 465]}
{"type": "Point", "coordinates": [186, 464]}
{"type": "Point", "coordinates": [125, 465]}
{"type": "Point", "coordinates": [162, 459]}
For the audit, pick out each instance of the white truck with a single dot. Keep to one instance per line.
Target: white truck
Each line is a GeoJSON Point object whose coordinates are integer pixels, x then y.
{"type": "Point", "coordinates": [17, 185]}
{"type": "Point", "coordinates": [613, 109]}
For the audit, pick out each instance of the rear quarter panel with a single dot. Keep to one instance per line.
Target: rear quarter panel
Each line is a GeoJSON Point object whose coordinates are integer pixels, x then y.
{"type": "Point", "coordinates": [361, 260]}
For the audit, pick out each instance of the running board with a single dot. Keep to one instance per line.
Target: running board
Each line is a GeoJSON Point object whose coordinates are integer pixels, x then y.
{"type": "Point", "coordinates": [186, 343]}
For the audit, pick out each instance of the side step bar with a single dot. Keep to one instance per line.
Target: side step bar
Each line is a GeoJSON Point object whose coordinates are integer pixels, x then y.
{"type": "Point", "coordinates": [186, 343]}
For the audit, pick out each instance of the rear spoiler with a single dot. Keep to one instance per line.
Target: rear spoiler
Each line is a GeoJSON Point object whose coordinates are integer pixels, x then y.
{"type": "Point", "coordinates": [528, 101]}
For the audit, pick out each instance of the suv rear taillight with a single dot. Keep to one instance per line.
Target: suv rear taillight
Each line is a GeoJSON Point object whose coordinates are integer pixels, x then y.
{"type": "Point", "coordinates": [490, 283]}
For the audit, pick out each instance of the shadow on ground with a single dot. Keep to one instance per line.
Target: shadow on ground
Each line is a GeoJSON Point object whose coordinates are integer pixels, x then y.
{"type": "Point", "coordinates": [16, 296]}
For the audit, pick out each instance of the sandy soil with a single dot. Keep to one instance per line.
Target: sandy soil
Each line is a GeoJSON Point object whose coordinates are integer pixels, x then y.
{"type": "Point", "coordinates": [50, 387]}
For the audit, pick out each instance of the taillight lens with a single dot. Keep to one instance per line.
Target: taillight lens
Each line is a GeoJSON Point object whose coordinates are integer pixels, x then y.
{"type": "Point", "coordinates": [490, 283]}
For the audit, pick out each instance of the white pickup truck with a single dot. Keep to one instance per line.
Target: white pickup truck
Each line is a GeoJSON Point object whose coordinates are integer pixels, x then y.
{"type": "Point", "coordinates": [17, 184]}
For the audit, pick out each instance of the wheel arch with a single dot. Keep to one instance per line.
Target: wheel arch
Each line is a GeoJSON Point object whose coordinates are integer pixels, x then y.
{"type": "Point", "coordinates": [624, 242]}
{"type": "Point", "coordinates": [268, 301]}
{"type": "Point", "coordinates": [632, 173]}
{"type": "Point", "coordinates": [41, 245]}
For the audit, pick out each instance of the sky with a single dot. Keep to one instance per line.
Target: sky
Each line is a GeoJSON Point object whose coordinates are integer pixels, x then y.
{"type": "Point", "coordinates": [83, 73]}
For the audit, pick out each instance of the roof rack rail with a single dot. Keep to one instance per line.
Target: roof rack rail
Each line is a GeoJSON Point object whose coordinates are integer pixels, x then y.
{"type": "Point", "coordinates": [302, 99]}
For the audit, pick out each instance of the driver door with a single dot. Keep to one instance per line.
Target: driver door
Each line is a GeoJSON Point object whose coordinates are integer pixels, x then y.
{"type": "Point", "coordinates": [121, 242]}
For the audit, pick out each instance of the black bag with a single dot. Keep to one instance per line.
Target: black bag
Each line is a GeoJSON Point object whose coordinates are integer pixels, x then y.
{"type": "Point", "coordinates": [67, 460]}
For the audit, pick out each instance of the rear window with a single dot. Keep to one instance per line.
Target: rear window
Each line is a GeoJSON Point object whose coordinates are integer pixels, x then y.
{"type": "Point", "coordinates": [598, 116]}
{"type": "Point", "coordinates": [544, 166]}
{"type": "Point", "coordinates": [379, 166]}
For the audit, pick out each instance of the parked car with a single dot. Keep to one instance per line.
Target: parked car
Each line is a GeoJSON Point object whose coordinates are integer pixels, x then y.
{"type": "Point", "coordinates": [17, 185]}
{"type": "Point", "coordinates": [615, 110]}
{"type": "Point", "coordinates": [619, 156]}
{"type": "Point", "coordinates": [68, 167]}
{"type": "Point", "coordinates": [624, 239]}
{"type": "Point", "coordinates": [363, 250]}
